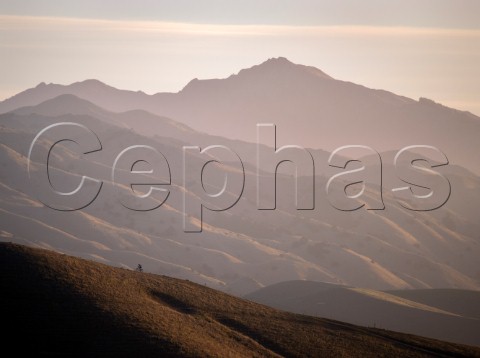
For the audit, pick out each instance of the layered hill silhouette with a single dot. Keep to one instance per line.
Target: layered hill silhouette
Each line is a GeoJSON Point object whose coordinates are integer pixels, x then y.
{"type": "Point", "coordinates": [309, 107]}
{"type": "Point", "coordinates": [438, 313]}
{"type": "Point", "coordinates": [66, 306]}
{"type": "Point", "coordinates": [409, 265]}
{"type": "Point", "coordinates": [244, 248]}
{"type": "Point", "coordinates": [461, 302]}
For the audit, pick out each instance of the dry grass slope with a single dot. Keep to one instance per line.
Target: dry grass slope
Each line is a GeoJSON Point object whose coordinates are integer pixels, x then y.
{"type": "Point", "coordinates": [64, 306]}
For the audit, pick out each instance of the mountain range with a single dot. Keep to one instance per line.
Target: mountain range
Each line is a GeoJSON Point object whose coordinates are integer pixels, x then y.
{"type": "Point", "coordinates": [309, 107]}
{"type": "Point", "coordinates": [244, 249]}
{"type": "Point", "coordinates": [240, 249]}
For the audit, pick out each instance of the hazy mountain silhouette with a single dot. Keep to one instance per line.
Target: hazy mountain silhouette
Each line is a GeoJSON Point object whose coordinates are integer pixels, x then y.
{"type": "Point", "coordinates": [151, 125]}
{"type": "Point", "coordinates": [244, 248]}
{"type": "Point", "coordinates": [309, 107]}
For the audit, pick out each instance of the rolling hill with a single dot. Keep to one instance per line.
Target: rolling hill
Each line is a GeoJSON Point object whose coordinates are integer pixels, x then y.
{"type": "Point", "coordinates": [461, 302]}
{"type": "Point", "coordinates": [244, 248]}
{"type": "Point", "coordinates": [450, 315]}
{"type": "Point", "coordinates": [57, 305]}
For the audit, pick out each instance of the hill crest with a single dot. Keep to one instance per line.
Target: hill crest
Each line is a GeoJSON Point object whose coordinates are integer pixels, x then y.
{"type": "Point", "coordinates": [67, 305]}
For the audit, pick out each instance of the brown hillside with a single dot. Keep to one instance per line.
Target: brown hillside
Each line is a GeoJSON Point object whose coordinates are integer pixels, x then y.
{"type": "Point", "coordinates": [57, 305]}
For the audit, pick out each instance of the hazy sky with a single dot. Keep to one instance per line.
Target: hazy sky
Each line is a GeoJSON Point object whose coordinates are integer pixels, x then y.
{"type": "Point", "coordinates": [414, 48]}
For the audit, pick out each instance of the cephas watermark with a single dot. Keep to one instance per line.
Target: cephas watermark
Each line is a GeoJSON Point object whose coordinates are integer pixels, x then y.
{"type": "Point", "coordinates": [422, 189]}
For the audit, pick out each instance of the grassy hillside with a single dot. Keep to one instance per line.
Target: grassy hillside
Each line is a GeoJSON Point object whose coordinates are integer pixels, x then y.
{"type": "Point", "coordinates": [62, 306]}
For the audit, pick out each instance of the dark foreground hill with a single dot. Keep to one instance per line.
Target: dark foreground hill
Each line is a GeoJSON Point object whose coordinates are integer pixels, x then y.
{"type": "Point", "coordinates": [57, 305]}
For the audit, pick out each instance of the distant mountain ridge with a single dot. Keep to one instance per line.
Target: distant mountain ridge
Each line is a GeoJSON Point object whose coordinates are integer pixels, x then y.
{"type": "Point", "coordinates": [309, 108]}
{"type": "Point", "coordinates": [92, 89]}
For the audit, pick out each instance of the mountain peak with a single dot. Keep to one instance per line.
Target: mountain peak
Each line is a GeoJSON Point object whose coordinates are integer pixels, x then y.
{"type": "Point", "coordinates": [273, 69]}
{"type": "Point", "coordinates": [283, 66]}
{"type": "Point", "coordinates": [273, 63]}
{"type": "Point", "coordinates": [277, 60]}
{"type": "Point", "coordinates": [63, 104]}
{"type": "Point", "coordinates": [92, 83]}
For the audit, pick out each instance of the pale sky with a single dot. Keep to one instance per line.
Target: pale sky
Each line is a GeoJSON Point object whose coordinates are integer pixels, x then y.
{"type": "Point", "coordinates": [413, 48]}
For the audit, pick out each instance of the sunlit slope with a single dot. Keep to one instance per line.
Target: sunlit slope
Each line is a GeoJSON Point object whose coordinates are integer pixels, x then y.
{"type": "Point", "coordinates": [67, 306]}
